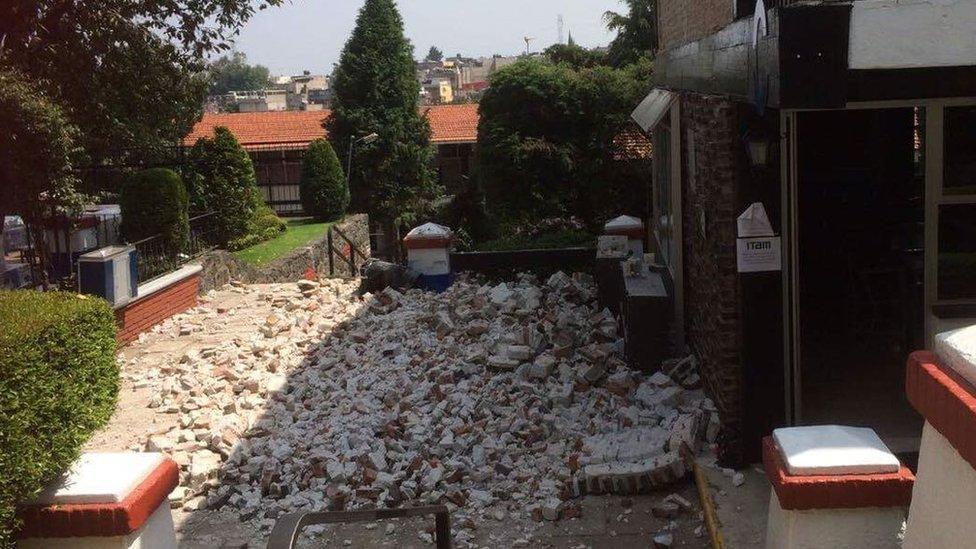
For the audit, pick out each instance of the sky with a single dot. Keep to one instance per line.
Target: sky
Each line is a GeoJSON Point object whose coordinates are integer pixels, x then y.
{"type": "Point", "coordinates": [309, 34]}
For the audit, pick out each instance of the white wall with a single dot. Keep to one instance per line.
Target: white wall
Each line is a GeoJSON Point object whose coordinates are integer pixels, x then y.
{"type": "Point", "coordinates": [893, 34]}
{"type": "Point", "coordinates": [943, 512]}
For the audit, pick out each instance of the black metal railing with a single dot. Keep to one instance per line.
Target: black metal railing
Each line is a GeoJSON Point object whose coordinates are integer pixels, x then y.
{"type": "Point", "coordinates": [156, 257]}
{"type": "Point", "coordinates": [289, 527]}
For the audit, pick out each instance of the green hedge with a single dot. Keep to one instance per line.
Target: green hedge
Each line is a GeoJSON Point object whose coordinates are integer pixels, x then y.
{"type": "Point", "coordinates": [58, 384]}
{"type": "Point", "coordinates": [154, 202]}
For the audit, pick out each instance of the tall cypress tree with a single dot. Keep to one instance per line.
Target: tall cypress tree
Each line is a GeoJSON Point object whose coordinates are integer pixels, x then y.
{"type": "Point", "coordinates": [375, 90]}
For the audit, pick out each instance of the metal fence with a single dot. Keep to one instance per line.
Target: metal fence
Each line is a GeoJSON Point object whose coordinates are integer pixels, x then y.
{"type": "Point", "coordinates": [156, 257]}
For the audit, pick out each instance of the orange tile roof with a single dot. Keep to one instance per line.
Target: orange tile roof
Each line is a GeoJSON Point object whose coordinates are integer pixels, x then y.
{"type": "Point", "coordinates": [631, 144]}
{"type": "Point", "coordinates": [453, 123]}
{"type": "Point", "coordinates": [296, 129]}
{"type": "Point", "coordinates": [257, 130]}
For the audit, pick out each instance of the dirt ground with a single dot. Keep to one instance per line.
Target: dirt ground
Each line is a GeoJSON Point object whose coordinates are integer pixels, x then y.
{"type": "Point", "coordinates": [606, 521]}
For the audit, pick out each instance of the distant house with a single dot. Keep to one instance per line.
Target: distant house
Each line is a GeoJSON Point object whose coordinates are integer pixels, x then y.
{"type": "Point", "coordinates": [277, 141]}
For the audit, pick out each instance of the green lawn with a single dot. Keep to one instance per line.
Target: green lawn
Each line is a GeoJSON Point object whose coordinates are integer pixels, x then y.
{"type": "Point", "coordinates": [300, 232]}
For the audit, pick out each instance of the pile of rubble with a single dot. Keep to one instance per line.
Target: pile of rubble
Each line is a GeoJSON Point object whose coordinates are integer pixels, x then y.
{"type": "Point", "coordinates": [500, 400]}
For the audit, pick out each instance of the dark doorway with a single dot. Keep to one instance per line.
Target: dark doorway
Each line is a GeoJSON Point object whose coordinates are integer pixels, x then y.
{"type": "Point", "coordinates": [861, 185]}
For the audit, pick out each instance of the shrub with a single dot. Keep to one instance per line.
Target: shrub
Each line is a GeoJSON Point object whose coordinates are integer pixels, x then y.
{"type": "Point", "coordinates": [324, 192]}
{"type": "Point", "coordinates": [155, 202]}
{"type": "Point", "coordinates": [58, 384]}
{"type": "Point", "coordinates": [264, 225]}
{"type": "Point", "coordinates": [224, 183]}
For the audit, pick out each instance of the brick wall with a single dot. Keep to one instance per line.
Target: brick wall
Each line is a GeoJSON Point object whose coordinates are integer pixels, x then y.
{"type": "Point", "coordinates": [712, 322]}
{"type": "Point", "coordinates": [144, 313]}
{"type": "Point", "coordinates": [683, 21]}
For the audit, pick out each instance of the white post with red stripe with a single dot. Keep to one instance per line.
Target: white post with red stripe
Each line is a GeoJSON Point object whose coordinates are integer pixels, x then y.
{"type": "Point", "coordinates": [428, 254]}
{"type": "Point", "coordinates": [833, 486]}
{"type": "Point", "coordinates": [942, 387]}
{"type": "Point", "coordinates": [118, 501]}
{"type": "Point", "coordinates": [632, 228]}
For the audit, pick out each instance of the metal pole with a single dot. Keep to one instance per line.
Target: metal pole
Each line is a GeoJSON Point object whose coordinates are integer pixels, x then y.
{"type": "Point", "coordinates": [352, 143]}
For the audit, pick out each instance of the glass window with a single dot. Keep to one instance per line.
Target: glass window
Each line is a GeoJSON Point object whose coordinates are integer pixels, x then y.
{"type": "Point", "coordinates": [960, 150]}
{"type": "Point", "coordinates": [957, 251]}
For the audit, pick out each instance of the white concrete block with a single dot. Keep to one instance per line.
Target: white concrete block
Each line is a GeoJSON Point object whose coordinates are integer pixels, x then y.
{"type": "Point", "coordinates": [834, 450]}
{"type": "Point", "coordinates": [100, 478]}
{"type": "Point", "coordinates": [958, 349]}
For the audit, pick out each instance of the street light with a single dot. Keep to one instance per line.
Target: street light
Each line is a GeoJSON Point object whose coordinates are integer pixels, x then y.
{"type": "Point", "coordinates": [364, 140]}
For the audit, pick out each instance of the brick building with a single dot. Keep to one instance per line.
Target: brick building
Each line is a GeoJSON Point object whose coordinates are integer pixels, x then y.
{"type": "Point", "coordinates": [277, 142]}
{"type": "Point", "coordinates": [854, 125]}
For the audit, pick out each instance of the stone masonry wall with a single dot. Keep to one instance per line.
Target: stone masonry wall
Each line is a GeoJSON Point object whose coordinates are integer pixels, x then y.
{"type": "Point", "coordinates": [220, 267]}
{"type": "Point", "coordinates": [682, 21]}
{"type": "Point", "coordinates": [713, 324]}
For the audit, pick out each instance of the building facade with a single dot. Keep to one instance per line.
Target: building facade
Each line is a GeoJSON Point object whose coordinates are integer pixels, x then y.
{"type": "Point", "coordinates": [277, 141]}
{"type": "Point", "coordinates": [851, 128]}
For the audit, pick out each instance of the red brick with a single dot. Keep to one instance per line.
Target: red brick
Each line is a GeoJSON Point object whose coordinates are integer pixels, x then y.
{"type": "Point", "coordinates": [945, 399]}
{"type": "Point", "coordinates": [145, 313]}
{"type": "Point", "coordinates": [837, 491]}
{"type": "Point", "coordinates": [104, 520]}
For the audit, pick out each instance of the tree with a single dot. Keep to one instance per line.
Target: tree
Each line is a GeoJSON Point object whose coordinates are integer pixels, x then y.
{"type": "Point", "coordinates": [37, 149]}
{"type": "Point", "coordinates": [435, 54]}
{"type": "Point", "coordinates": [552, 129]}
{"type": "Point", "coordinates": [224, 183]}
{"type": "Point", "coordinates": [636, 31]}
{"type": "Point", "coordinates": [154, 202]}
{"type": "Point", "coordinates": [323, 189]}
{"type": "Point", "coordinates": [232, 73]}
{"type": "Point", "coordinates": [575, 56]}
{"type": "Point", "coordinates": [375, 90]}
{"type": "Point", "coordinates": [127, 74]}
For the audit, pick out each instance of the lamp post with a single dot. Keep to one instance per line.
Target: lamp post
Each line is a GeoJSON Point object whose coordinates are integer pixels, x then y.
{"type": "Point", "coordinates": [365, 140]}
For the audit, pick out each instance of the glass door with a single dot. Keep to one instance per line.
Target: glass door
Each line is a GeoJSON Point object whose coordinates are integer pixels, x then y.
{"type": "Point", "coordinates": [951, 218]}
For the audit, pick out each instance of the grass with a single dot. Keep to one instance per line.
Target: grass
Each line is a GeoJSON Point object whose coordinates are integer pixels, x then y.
{"type": "Point", "coordinates": [299, 232]}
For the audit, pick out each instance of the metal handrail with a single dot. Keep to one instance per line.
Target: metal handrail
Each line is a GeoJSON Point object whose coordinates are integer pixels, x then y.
{"type": "Point", "coordinates": [289, 527]}
{"type": "Point", "coordinates": [353, 252]}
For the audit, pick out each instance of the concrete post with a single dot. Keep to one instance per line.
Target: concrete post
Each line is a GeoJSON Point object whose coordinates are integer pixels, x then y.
{"type": "Point", "coordinates": [941, 387]}
{"type": "Point", "coordinates": [837, 487]}
{"type": "Point", "coordinates": [632, 228]}
{"type": "Point", "coordinates": [428, 254]}
{"type": "Point", "coordinates": [117, 501]}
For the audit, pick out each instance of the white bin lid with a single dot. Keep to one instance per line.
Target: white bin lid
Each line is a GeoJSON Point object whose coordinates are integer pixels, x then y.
{"type": "Point", "coordinates": [101, 478]}
{"type": "Point", "coordinates": [958, 350]}
{"type": "Point", "coordinates": [430, 230]}
{"type": "Point", "coordinates": [623, 222]}
{"type": "Point", "coordinates": [834, 450]}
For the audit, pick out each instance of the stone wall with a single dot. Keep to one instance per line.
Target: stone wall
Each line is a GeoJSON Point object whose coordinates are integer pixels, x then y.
{"type": "Point", "coordinates": [220, 267]}
{"type": "Point", "coordinates": [711, 291]}
{"type": "Point", "coordinates": [682, 21]}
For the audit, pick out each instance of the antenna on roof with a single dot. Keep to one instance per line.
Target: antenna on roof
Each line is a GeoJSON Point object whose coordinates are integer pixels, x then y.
{"type": "Point", "coordinates": [560, 24]}
{"type": "Point", "coordinates": [528, 40]}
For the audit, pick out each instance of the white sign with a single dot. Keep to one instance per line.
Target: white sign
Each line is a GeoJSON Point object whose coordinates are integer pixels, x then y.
{"type": "Point", "coordinates": [759, 255]}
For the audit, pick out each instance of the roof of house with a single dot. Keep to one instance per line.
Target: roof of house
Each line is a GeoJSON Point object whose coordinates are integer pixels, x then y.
{"type": "Point", "coordinates": [631, 144]}
{"type": "Point", "coordinates": [296, 129]}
